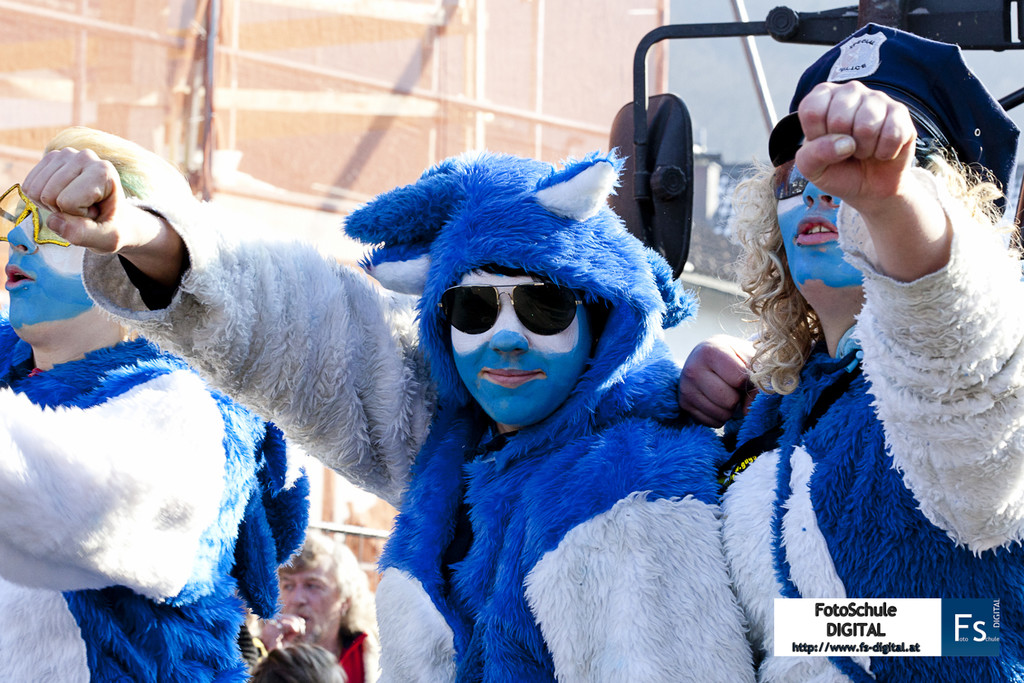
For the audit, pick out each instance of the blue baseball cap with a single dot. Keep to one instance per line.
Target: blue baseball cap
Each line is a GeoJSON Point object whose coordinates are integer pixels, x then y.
{"type": "Point", "coordinates": [949, 105]}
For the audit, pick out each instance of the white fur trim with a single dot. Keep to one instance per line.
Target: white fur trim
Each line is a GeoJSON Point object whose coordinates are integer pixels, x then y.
{"type": "Point", "coordinates": [746, 529]}
{"type": "Point", "coordinates": [297, 461]}
{"type": "Point", "coordinates": [581, 196]}
{"type": "Point", "coordinates": [810, 563]}
{"type": "Point", "coordinates": [945, 358]}
{"type": "Point", "coordinates": [416, 643]}
{"type": "Point", "coordinates": [747, 510]}
{"type": "Point", "coordinates": [627, 596]}
{"type": "Point", "coordinates": [314, 346]}
{"type": "Point", "coordinates": [40, 640]}
{"type": "Point", "coordinates": [854, 238]}
{"type": "Point", "coordinates": [117, 494]}
{"type": "Point", "coordinates": [799, 670]}
{"type": "Point", "coordinates": [404, 277]}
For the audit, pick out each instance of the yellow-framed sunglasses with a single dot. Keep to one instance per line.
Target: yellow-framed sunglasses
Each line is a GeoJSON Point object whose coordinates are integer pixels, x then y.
{"type": "Point", "coordinates": [15, 207]}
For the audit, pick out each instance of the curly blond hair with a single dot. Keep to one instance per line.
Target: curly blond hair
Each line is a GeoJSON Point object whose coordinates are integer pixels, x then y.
{"type": "Point", "coordinates": [788, 327]}
{"type": "Point", "coordinates": [349, 577]}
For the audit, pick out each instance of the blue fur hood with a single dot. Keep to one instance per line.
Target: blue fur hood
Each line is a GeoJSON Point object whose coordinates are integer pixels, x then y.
{"type": "Point", "coordinates": [488, 209]}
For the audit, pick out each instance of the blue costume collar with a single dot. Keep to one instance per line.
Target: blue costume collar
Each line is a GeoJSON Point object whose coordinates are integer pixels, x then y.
{"type": "Point", "coordinates": [849, 345]}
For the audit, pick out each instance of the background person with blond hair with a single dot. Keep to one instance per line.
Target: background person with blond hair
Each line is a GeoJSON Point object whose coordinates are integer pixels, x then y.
{"type": "Point", "coordinates": [326, 601]}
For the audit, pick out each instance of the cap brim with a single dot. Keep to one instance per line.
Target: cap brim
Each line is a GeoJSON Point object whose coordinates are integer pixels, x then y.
{"type": "Point", "coordinates": [785, 139]}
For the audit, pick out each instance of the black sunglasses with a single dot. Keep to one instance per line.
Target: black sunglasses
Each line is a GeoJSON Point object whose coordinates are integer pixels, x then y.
{"type": "Point", "coordinates": [788, 181]}
{"type": "Point", "coordinates": [542, 307]}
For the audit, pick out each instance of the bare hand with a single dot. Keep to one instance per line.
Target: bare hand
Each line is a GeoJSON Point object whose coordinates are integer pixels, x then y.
{"type": "Point", "coordinates": [858, 142]}
{"type": "Point", "coordinates": [89, 209]}
{"type": "Point", "coordinates": [284, 630]}
{"type": "Point", "coordinates": [714, 380]}
{"type": "Point", "coordinates": [83, 192]}
{"type": "Point", "coordinates": [859, 146]}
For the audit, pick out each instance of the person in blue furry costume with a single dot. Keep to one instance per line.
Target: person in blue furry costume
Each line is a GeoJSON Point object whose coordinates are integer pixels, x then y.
{"type": "Point", "coordinates": [884, 456]}
{"type": "Point", "coordinates": [141, 511]}
{"type": "Point", "coordinates": [557, 515]}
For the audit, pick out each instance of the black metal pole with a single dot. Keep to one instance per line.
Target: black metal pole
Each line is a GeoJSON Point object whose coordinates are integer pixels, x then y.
{"type": "Point", "coordinates": [885, 12]}
{"type": "Point", "coordinates": [641, 177]}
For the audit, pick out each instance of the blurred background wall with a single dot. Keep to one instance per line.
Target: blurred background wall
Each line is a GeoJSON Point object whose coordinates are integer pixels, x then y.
{"type": "Point", "coordinates": [295, 111]}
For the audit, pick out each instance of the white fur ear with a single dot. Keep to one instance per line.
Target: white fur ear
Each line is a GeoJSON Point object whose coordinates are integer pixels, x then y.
{"type": "Point", "coordinates": [581, 196]}
{"type": "Point", "coordinates": [404, 277]}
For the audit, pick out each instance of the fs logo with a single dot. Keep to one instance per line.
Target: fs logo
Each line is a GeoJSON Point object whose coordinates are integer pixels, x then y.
{"type": "Point", "coordinates": [970, 627]}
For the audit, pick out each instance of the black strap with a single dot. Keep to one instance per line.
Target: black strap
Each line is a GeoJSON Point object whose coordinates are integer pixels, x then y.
{"type": "Point", "coordinates": [747, 452]}
{"type": "Point", "coordinates": [751, 449]}
{"type": "Point", "coordinates": [829, 396]}
{"type": "Point", "coordinates": [248, 648]}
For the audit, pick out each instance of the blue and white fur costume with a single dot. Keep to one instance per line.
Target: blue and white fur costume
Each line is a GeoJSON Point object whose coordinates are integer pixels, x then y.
{"type": "Point", "coordinates": [910, 483]}
{"type": "Point", "coordinates": [925, 498]}
{"type": "Point", "coordinates": [139, 509]}
{"type": "Point", "coordinates": [595, 551]}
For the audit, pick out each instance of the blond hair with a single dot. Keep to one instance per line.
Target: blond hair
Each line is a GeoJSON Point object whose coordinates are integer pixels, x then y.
{"type": "Point", "coordinates": [143, 174]}
{"type": "Point", "coordinates": [788, 327]}
{"type": "Point", "coordinates": [349, 577]}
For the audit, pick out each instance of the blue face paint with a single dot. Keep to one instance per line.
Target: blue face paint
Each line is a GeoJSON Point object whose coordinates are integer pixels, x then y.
{"type": "Point", "coordinates": [520, 378]}
{"type": "Point", "coordinates": [811, 240]}
{"type": "Point", "coordinates": [44, 280]}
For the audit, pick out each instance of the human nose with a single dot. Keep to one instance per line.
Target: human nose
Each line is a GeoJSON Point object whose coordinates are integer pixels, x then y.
{"type": "Point", "coordinates": [20, 241]}
{"type": "Point", "coordinates": [509, 341]}
{"type": "Point", "coordinates": [815, 198]}
{"type": "Point", "coordinates": [508, 334]}
{"type": "Point", "coordinates": [293, 597]}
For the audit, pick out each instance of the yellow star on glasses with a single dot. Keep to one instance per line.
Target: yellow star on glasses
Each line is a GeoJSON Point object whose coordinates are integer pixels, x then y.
{"type": "Point", "coordinates": [15, 207]}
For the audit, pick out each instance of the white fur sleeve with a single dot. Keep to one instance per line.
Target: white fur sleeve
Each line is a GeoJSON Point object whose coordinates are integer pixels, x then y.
{"type": "Point", "coordinates": [641, 593]}
{"type": "Point", "coordinates": [310, 344]}
{"type": "Point", "coordinates": [945, 357]}
{"type": "Point", "coordinates": [116, 494]}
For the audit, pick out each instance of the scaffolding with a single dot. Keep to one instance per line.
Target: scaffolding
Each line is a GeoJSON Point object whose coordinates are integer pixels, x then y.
{"type": "Point", "coordinates": [296, 111]}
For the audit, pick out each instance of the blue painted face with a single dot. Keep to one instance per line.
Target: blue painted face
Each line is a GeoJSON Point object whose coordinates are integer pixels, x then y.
{"type": "Point", "coordinates": [518, 377]}
{"type": "Point", "coordinates": [811, 240]}
{"type": "Point", "coordinates": [44, 280]}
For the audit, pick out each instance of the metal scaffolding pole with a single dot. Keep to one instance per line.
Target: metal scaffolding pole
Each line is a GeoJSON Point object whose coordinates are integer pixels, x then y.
{"type": "Point", "coordinates": [739, 11]}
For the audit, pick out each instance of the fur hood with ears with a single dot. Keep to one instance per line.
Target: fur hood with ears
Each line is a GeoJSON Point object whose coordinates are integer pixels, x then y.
{"type": "Point", "coordinates": [489, 209]}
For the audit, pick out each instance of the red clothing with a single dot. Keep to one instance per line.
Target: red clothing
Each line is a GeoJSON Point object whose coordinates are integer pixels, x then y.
{"type": "Point", "coordinates": [351, 660]}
